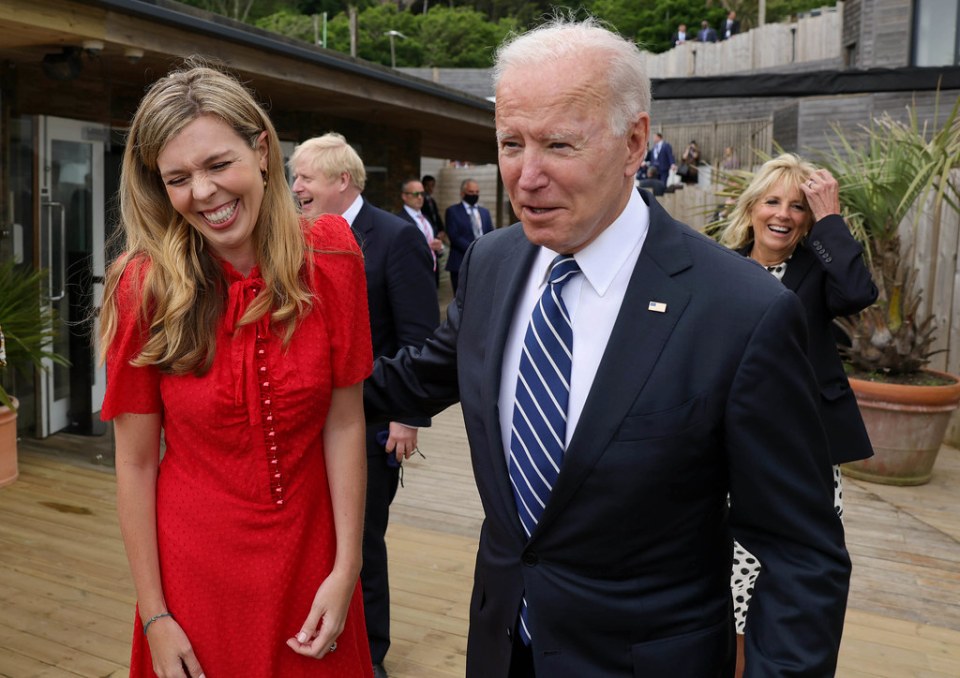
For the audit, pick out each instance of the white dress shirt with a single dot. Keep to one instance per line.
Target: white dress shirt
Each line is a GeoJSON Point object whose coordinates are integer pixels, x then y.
{"type": "Point", "coordinates": [593, 300]}
{"type": "Point", "coordinates": [421, 220]}
{"type": "Point", "coordinates": [351, 212]}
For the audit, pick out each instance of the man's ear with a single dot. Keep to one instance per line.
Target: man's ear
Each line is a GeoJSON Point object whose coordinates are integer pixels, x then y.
{"type": "Point", "coordinates": [637, 136]}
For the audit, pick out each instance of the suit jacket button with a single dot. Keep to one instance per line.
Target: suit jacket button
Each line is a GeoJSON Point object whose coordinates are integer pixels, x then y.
{"type": "Point", "coordinates": [509, 632]}
{"type": "Point", "coordinates": [530, 558]}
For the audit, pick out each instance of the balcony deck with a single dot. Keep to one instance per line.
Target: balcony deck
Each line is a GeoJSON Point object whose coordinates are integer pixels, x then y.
{"type": "Point", "coordinates": [66, 600]}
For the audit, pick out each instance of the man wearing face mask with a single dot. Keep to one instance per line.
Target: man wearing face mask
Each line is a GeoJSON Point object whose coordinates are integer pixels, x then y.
{"type": "Point", "coordinates": [466, 221]}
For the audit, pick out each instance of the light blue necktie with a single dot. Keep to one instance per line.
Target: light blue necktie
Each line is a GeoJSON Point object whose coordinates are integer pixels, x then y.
{"type": "Point", "coordinates": [538, 437]}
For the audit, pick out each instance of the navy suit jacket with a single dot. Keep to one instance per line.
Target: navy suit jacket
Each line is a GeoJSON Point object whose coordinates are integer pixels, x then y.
{"type": "Point", "coordinates": [628, 571]}
{"type": "Point", "coordinates": [401, 291]}
{"type": "Point", "coordinates": [828, 274]}
{"type": "Point", "coordinates": [460, 231]}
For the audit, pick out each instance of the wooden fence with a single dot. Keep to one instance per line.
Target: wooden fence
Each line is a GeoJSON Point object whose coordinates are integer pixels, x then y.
{"type": "Point", "coordinates": [932, 241]}
{"type": "Point", "coordinates": [746, 137]}
{"type": "Point", "coordinates": [809, 39]}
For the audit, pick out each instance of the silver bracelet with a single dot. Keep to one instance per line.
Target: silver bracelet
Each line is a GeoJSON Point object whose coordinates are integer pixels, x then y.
{"type": "Point", "coordinates": [155, 618]}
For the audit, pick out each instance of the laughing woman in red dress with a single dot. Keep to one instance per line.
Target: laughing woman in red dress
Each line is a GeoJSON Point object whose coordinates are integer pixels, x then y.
{"type": "Point", "coordinates": [240, 334]}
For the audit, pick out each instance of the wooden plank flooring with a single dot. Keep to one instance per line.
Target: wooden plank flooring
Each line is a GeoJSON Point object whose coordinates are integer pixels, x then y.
{"type": "Point", "coordinates": [66, 602]}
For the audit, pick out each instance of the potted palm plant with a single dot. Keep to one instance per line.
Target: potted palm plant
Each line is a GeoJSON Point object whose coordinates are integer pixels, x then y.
{"type": "Point", "coordinates": [26, 336]}
{"type": "Point", "coordinates": [900, 172]}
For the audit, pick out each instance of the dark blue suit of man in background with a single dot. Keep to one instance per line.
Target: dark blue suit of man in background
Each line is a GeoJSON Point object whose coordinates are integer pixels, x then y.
{"type": "Point", "coordinates": [465, 222]}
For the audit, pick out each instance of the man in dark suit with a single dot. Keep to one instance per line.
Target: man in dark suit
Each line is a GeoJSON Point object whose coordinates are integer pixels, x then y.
{"type": "Point", "coordinates": [669, 372]}
{"type": "Point", "coordinates": [730, 26]}
{"type": "Point", "coordinates": [706, 33]}
{"type": "Point", "coordinates": [413, 196]}
{"type": "Point", "coordinates": [430, 207]}
{"type": "Point", "coordinates": [431, 211]}
{"type": "Point", "coordinates": [465, 222]}
{"type": "Point", "coordinates": [661, 157]}
{"type": "Point", "coordinates": [403, 311]}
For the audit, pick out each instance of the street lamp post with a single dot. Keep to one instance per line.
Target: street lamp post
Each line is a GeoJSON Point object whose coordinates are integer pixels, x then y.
{"type": "Point", "coordinates": [393, 54]}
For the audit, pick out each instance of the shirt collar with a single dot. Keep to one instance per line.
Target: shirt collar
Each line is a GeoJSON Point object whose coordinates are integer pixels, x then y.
{"type": "Point", "coordinates": [351, 212]}
{"type": "Point", "coordinates": [412, 212]}
{"type": "Point", "coordinates": [601, 260]}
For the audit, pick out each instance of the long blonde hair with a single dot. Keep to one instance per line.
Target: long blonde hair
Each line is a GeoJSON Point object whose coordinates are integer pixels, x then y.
{"type": "Point", "coordinates": [788, 169]}
{"type": "Point", "coordinates": [184, 289]}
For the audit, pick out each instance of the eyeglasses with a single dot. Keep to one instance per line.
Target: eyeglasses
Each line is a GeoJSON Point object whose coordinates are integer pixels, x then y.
{"type": "Point", "coordinates": [415, 194]}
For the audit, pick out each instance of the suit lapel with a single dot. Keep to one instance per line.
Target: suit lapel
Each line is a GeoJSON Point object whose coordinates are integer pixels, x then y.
{"type": "Point", "coordinates": [512, 271]}
{"type": "Point", "coordinates": [800, 264]}
{"type": "Point", "coordinates": [363, 226]}
{"type": "Point", "coordinates": [639, 336]}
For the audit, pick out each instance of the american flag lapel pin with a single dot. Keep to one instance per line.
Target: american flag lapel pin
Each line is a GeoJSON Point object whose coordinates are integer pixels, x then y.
{"type": "Point", "coordinates": [657, 307]}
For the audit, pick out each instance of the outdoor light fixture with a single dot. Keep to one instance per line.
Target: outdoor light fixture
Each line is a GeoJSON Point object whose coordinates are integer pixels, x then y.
{"type": "Point", "coordinates": [92, 47]}
{"type": "Point", "coordinates": [133, 54]}
{"type": "Point", "coordinates": [393, 54]}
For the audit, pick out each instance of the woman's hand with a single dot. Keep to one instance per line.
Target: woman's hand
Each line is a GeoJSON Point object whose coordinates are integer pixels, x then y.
{"type": "Point", "coordinates": [172, 653]}
{"type": "Point", "coordinates": [327, 617]}
{"type": "Point", "coordinates": [823, 194]}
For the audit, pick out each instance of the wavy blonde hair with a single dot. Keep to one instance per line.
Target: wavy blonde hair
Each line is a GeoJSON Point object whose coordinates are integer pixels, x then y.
{"type": "Point", "coordinates": [787, 169]}
{"type": "Point", "coordinates": [183, 291]}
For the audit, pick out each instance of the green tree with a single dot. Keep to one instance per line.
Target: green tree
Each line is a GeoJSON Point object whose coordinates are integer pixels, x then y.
{"type": "Point", "coordinates": [460, 37]}
{"type": "Point", "coordinates": [373, 42]}
{"type": "Point", "coordinates": [288, 23]}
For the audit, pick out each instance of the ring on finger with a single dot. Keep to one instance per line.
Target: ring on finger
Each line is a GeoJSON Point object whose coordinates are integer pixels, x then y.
{"type": "Point", "coordinates": [333, 646]}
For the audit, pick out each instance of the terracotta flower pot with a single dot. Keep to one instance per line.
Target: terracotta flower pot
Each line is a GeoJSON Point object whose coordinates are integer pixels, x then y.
{"type": "Point", "coordinates": [8, 445]}
{"type": "Point", "coordinates": [906, 425]}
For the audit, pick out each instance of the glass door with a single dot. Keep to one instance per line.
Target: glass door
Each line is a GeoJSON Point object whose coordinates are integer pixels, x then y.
{"type": "Point", "coordinates": [71, 251]}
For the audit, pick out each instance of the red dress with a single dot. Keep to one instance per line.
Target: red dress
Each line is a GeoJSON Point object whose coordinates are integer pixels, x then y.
{"type": "Point", "coordinates": [244, 521]}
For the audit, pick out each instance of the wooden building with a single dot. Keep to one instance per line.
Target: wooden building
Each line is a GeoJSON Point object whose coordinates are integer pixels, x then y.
{"type": "Point", "coordinates": [71, 75]}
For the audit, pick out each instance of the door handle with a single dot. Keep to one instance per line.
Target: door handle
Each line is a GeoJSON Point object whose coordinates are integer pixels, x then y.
{"type": "Point", "coordinates": [63, 249]}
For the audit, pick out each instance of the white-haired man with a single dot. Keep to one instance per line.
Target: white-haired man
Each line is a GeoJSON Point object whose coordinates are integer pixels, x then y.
{"type": "Point", "coordinates": [620, 375]}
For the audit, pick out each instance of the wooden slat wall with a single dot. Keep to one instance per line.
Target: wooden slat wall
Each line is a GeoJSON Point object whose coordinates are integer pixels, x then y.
{"type": "Point", "coordinates": [745, 136]}
{"type": "Point", "coordinates": [888, 38]}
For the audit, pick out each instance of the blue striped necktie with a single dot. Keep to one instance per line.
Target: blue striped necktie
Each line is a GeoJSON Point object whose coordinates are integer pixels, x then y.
{"type": "Point", "coordinates": [538, 437]}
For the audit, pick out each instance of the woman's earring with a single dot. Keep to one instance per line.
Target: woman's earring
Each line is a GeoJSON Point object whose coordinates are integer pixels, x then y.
{"type": "Point", "coordinates": [263, 173]}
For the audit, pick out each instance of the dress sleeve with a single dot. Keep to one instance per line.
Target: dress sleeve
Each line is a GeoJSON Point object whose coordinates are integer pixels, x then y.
{"type": "Point", "coordinates": [341, 287]}
{"type": "Point", "coordinates": [130, 389]}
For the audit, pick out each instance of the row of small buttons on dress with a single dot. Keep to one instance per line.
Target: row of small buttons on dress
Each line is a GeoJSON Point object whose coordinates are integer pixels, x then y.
{"type": "Point", "coordinates": [266, 409]}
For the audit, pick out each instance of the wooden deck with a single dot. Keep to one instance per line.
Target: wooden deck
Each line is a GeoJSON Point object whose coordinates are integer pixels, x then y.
{"type": "Point", "coordinates": [66, 601]}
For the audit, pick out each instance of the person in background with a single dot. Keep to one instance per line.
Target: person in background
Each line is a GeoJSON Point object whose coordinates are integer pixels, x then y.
{"type": "Point", "coordinates": [730, 26]}
{"type": "Point", "coordinates": [652, 181]}
{"type": "Point", "coordinates": [788, 221]}
{"type": "Point", "coordinates": [680, 36]}
{"type": "Point", "coordinates": [706, 33]}
{"type": "Point", "coordinates": [729, 161]}
{"type": "Point", "coordinates": [413, 195]}
{"type": "Point", "coordinates": [607, 423]}
{"type": "Point", "coordinates": [689, 161]}
{"type": "Point", "coordinates": [236, 332]}
{"type": "Point", "coordinates": [430, 207]}
{"type": "Point", "coordinates": [402, 301]}
{"type": "Point", "coordinates": [661, 157]}
{"type": "Point", "coordinates": [466, 221]}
